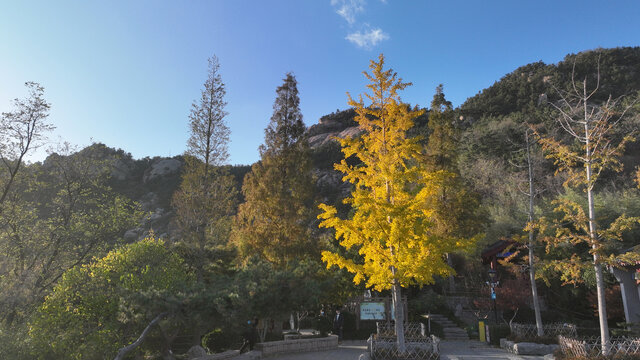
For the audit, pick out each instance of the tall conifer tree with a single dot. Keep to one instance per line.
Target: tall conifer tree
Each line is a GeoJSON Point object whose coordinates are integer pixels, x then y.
{"type": "Point", "coordinates": [204, 203]}
{"type": "Point", "coordinates": [443, 134]}
{"type": "Point", "coordinates": [455, 208]}
{"type": "Point", "coordinates": [273, 223]}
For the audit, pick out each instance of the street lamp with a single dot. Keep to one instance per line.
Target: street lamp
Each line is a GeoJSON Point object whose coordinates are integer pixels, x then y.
{"type": "Point", "coordinates": [493, 282]}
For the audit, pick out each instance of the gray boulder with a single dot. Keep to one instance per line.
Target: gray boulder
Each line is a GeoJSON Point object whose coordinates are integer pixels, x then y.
{"type": "Point", "coordinates": [528, 348]}
{"type": "Point", "coordinates": [196, 352]}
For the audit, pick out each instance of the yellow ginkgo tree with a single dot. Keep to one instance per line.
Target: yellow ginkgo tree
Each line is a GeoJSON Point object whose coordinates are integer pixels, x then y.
{"type": "Point", "coordinates": [393, 198]}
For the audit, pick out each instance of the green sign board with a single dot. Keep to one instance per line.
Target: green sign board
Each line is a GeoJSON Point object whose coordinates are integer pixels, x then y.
{"type": "Point", "coordinates": [372, 311]}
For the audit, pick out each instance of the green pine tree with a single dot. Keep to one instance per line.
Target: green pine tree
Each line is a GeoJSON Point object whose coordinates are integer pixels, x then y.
{"type": "Point", "coordinates": [273, 223]}
{"type": "Point", "coordinates": [205, 201]}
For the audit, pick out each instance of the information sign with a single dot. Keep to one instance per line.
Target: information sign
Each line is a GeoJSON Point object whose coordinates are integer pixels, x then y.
{"type": "Point", "coordinates": [372, 311]}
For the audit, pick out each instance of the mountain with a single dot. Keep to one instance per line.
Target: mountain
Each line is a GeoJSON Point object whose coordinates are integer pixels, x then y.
{"type": "Point", "coordinates": [526, 87]}
{"type": "Point", "coordinates": [524, 92]}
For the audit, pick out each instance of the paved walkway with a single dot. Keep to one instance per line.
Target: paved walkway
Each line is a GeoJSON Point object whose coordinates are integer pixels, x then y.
{"type": "Point", "coordinates": [348, 350]}
{"type": "Point", "coordinates": [449, 350]}
{"type": "Point", "coordinates": [475, 350]}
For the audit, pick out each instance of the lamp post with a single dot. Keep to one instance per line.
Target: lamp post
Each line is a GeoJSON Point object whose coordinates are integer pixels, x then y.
{"type": "Point", "coordinates": [493, 282]}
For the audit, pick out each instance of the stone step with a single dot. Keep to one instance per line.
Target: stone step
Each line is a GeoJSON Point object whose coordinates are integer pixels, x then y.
{"type": "Point", "coordinates": [450, 330]}
{"type": "Point", "coordinates": [449, 335]}
{"type": "Point", "coordinates": [447, 323]}
{"type": "Point", "coordinates": [454, 330]}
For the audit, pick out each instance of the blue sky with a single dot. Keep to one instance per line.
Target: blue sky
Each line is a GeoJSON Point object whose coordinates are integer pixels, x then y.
{"type": "Point", "coordinates": [125, 73]}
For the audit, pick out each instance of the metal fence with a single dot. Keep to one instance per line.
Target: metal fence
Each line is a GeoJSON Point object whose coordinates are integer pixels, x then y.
{"type": "Point", "coordinates": [411, 330]}
{"type": "Point", "coordinates": [418, 345]}
{"type": "Point", "coordinates": [528, 331]}
{"type": "Point", "coordinates": [592, 347]}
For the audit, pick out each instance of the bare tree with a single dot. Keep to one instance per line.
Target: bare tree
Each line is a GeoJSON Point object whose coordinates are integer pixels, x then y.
{"type": "Point", "coordinates": [593, 126]}
{"type": "Point", "coordinates": [21, 131]}
{"type": "Point", "coordinates": [529, 163]}
{"type": "Point", "coordinates": [532, 193]}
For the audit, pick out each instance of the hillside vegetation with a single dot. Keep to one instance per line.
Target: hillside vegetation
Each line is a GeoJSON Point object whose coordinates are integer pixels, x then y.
{"type": "Point", "coordinates": [82, 215]}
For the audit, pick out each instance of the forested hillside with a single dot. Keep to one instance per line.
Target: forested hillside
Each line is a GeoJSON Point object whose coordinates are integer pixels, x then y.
{"type": "Point", "coordinates": [498, 116]}
{"type": "Point", "coordinates": [502, 166]}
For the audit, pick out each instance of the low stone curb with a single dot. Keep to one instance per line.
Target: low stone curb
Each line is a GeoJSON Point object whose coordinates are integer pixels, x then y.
{"type": "Point", "coordinates": [251, 355]}
{"type": "Point", "coordinates": [302, 345]}
{"type": "Point", "coordinates": [220, 356]}
{"type": "Point", "coordinates": [527, 348]}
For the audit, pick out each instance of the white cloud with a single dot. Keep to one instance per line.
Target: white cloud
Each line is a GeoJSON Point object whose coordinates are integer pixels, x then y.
{"type": "Point", "coordinates": [367, 39]}
{"type": "Point", "coordinates": [348, 9]}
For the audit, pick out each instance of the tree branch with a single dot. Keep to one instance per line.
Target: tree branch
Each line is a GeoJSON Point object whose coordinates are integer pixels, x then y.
{"type": "Point", "coordinates": [125, 350]}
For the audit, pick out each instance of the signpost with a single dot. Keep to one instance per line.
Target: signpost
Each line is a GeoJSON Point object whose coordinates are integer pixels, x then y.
{"type": "Point", "coordinates": [372, 311]}
{"type": "Point", "coordinates": [493, 282]}
{"type": "Point", "coordinates": [376, 308]}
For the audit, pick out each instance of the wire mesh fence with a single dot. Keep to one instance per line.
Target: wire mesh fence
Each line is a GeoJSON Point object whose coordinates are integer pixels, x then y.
{"type": "Point", "coordinates": [411, 330]}
{"type": "Point", "coordinates": [417, 346]}
{"type": "Point", "coordinates": [591, 346]}
{"type": "Point", "coordinates": [528, 331]}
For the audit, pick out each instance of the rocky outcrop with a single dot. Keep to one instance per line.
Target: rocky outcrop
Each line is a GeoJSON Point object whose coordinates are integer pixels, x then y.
{"type": "Point", "coordinates": [324, 138]}
{"type": "Point", "coordinates": [335, 125]}
{"type": "Point", "coordinates": [162, 167]}
{"type": "Point", "coordinates": [151, 182]}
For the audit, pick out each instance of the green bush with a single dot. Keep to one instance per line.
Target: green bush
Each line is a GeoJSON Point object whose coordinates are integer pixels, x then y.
{"type": "Point", "coordinates": [350, 332]}
{"type": "Point", "coordinates": [427, 302]}
{"type": "Point", "coordinates": [102, 306]}
{"type": "Point", "coordinates": [497, 332]}
{"type": "Point", "coordinates": [15, 342]}
{"type": "Point", "coordinates": [323, 324]}
{"type": "Point", "coordinates": [220, 340]}
{"type": "Point", "coordinates": [472, 331]}
{"type": "Point", "coordinates": [308, 323]}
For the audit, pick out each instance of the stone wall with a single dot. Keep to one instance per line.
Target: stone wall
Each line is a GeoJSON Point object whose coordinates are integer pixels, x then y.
{"type": "Point", "coordinates": [302, 345]}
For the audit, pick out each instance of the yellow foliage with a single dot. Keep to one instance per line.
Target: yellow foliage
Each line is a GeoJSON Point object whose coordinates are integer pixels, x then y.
{"type": "Point", "coordinates": [394, 195]}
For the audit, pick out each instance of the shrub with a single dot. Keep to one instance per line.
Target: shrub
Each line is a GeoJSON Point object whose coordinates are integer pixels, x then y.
{"type": "Point", "coordinates": [427, 302]}
{"type": "Point", "coordinates": [99, 307]}
{"type": "Point", "coordinates": [496, 332]}
{"type": "Point", "coordinates": [220, 340]}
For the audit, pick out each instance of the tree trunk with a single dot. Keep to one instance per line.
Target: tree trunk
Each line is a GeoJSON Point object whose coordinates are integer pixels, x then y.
{"type": "Point", "coordinates": [532, 270]}
{"type": "Point", "coordinates": [534, 288]}
{"type": "Point", "coordinates": [396, 292]}
{"type": "Point", "coordinates": [263, 332]}
{"type": "Point", "coordinates": [602, 306]}
{"type": "Point", "coordinates": [452, 283]}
